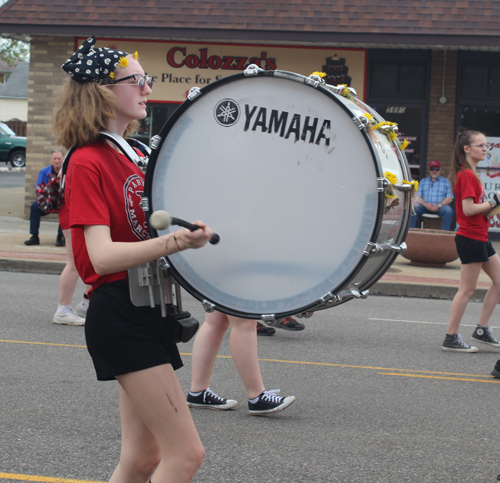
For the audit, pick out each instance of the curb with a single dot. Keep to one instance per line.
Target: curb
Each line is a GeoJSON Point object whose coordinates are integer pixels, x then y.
{"type": "Point", "coordinates": [413, 290]}
{"type": "Point", "coordinates": [9, 168]}
{"type": "Point", "coordinates": [31, 266]}
{"type": "Point", "coordinates": [381, 288]}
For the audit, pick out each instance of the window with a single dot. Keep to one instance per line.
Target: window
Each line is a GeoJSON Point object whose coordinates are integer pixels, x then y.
{"type": "Point", "coordinates": [480, 81]}
{"type": "Point", "coordinates": [397, 80]}
{"type": "Point", "coordinates": [486, 120]}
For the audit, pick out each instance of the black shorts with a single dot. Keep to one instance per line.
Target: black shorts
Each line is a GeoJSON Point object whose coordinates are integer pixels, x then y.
{"type": "Point", "coordinates": [123, 338]}
{"type": "Point", "coordinates": [473, 251]}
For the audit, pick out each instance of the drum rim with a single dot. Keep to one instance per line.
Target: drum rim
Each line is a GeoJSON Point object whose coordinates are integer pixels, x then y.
{"type": "Point", "coordinates": [163, 133]}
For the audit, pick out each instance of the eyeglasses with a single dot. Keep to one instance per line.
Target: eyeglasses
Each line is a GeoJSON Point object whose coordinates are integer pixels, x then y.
{"type": "Point", "coordinates": [435, 169]}
{"type": "Point", "coordinates": [140, 80]}
{"type": "Point", "coordinates": [480, 146]}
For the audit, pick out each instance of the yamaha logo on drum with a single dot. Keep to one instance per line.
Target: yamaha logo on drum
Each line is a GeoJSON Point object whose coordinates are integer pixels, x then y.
{"type": "Point", "coordinates": [227, 112]}
{"type": "Point", "coordinates": [288, 125]}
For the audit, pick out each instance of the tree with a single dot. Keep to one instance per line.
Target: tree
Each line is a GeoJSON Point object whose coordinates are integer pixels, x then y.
{"type": "Point", "coordinates": [14, 48]}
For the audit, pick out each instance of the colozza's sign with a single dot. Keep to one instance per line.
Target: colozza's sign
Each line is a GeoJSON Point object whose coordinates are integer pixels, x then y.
{"type": "Point", "coordinates": [177, 67]}
{"type": "Point", "coordinates": [178, 57]}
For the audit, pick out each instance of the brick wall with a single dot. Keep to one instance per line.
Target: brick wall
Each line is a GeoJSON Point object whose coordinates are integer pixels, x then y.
{"type": "Point", "coordinates": [441, 135]}
{"type": "Point", "coordinates": [45, 80]}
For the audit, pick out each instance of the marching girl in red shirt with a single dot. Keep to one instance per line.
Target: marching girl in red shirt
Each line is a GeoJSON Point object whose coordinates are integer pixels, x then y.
{"type": "Point", "coordinates": [108, 90]}
{"type": "Point", "coordinates": [474, 249]}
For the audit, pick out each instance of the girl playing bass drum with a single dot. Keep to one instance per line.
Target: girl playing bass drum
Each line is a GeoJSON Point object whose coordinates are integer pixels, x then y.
{"type": "Point", "coordinates": [108, 90]}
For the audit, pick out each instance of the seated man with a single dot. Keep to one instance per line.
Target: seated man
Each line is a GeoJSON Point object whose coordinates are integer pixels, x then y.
{"type": "Point", "coordinates": [434, 196]}
{"type": "Point", "coordinates": [45, 174]}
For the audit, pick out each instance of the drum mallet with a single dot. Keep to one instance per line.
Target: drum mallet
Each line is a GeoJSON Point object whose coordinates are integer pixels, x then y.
{"type": "Point", "coordinates": [161, 220]}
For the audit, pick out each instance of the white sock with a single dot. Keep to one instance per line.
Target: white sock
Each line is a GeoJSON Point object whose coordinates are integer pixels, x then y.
{"type": "Point", "coordinates": [84, 304]}
{"type": "Point", "coordinates": [64, 309]}
{"type": "Point", "coordinates": [195, 393]}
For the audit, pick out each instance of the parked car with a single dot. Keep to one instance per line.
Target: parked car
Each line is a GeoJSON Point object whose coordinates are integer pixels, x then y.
{"type": "Point", "coordinates": [12, 147]}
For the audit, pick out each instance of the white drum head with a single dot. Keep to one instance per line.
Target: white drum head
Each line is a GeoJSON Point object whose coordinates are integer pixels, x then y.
{"type": "Point", "coordinates": [294, 216]}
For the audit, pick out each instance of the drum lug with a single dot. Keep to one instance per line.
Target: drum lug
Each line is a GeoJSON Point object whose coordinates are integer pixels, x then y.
{"type": "Point", "coordinates": [402, 187]}
{"type": "Point", "coordinates": [352, 292]}
{"type": "Point", "coordinates": [314, 81]}
{"type": "Point", "coordinates": [268, 318]}
{"type": "Point", "coordinates": [329, 299]}
{"type": "Point", "coordinates": [304, 315]}
{"type": "Point", "coordinates": [144, 203]}
{"type": "Point", "coordinates": [194, 92]}
{"type": "Point", "coordinates": [374, 248]}
{"type": "Point", "coordinates": [252, 69]}
{"type": "Point", "coordinates": [208, 306]}
{"type": "Point", "coordinates": [370, 249]}
{"type": "Point", "coordinates": [360, 121]}
{"type": "Point", "coordinates": [155, 141]}
{"type": "Point", "coordinates": [163, 263]}
{"type": "Point", "coordinates": [383, 184]}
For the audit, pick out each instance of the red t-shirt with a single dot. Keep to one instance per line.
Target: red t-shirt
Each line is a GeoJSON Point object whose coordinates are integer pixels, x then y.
{"type": "Point", "coordinates": [103, 188]}
{"type": "Point", "coordinates": [476, 226]}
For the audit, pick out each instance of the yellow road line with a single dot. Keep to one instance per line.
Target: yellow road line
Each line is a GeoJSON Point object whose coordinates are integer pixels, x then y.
{"type": "Point", "coordinates": [45, 479]}
{"type": "Point", "coordinates": [491, 380]}
{"type": "Point", "coordinates": [310, 363]}
{"type": "Point", "coordinates": [43, 343]}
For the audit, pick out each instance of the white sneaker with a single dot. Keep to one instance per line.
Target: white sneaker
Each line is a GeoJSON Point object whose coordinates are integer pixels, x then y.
{"type": "Point", "coordinates": [81, 309]}
{"type": "Point", "coordinates": [68, 318]}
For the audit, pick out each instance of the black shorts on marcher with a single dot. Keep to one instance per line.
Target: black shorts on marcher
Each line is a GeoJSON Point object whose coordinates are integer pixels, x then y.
{"type": "Point", "coordinates": [473, 251]}
{"type": "Point", "coordinates": [123, 338]}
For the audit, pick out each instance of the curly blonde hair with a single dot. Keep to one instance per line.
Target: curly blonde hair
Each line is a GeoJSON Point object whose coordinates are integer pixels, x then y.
{"type": "Point", "coordinates": [84, 111]}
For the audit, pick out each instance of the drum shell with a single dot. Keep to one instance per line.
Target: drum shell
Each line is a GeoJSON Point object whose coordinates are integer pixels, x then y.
{"type": "Point", "coordinates": [380, 226]}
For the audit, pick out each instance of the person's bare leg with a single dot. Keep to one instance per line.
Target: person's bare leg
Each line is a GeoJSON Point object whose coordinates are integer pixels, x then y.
{"type": "Point", "coordinates": [469, 274]}
{"type": "Point", "coordinates": [205, 348]}
{"type": "Point", "coordinates": [140, 452]}
{"type": "Point", "coordinates": [155, 398]}
{"type": "Point", "coordinates": [492, 269]}
{"type": "Point", "coordinates": [69, 275]}
{"type": "Point", "coordinates": [243, 345]}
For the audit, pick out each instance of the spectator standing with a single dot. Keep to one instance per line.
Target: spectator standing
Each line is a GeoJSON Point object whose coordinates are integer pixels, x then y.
{"type": "Point", "coordinates": [434, 196]}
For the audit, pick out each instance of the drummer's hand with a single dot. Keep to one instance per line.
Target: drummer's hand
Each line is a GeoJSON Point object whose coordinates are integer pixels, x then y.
{"type": "Point", "coordinates": [194, 239]}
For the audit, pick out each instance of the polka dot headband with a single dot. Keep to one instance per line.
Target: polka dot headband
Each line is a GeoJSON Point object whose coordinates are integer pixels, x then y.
{"type": "Point", "coordinates": [89, 64]}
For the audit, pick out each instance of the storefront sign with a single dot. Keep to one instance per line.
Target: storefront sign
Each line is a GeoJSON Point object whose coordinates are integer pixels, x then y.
{"type": "Point", "coordinates": [178, 66]}
{"type": "Point", "coordinates": [489, 172]}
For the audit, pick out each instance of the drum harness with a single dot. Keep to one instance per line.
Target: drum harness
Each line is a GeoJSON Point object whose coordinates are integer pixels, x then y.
{"type": "Point", "coordinates": [150, 283]}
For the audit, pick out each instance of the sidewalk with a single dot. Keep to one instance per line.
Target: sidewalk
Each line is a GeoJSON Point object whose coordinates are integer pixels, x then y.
{"type": "Point", "coordinates": [16, 256]}
{"type": "Point", "coordinates": [402, 279]}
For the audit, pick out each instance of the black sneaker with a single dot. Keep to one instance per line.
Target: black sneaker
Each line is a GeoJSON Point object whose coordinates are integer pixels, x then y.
{"type": "Point", "coordinates": [269, 402]}
{"type": "Point", "coordinates": [60, 242]}
{"type": "Point", "coordinates": [263, 330]}
{"type": "Point", "coordinates": [496, 371]}
{"type": "Point", "coordinates": [287, 323]}
{"type": "Point", "coordinates": [34, 240]}
{"type": "Point", "coordinates": [210, 400]}
{"type": "Point", "coordinates": [483, 334]}
{"type": "Point", "coordinates": [455, 343]}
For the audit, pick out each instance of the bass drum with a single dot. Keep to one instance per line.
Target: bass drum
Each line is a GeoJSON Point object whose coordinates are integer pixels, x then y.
{"type": "Point", "coordinates": [286, 171]}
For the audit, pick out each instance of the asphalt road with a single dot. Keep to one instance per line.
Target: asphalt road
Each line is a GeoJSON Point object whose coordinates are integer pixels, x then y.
{"type": "Point", "coordinates": [12, 192]}
{"type": "Point", "coordinates": [377, 400]}
{"type": "Point", "coordinates": [12, 179]}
